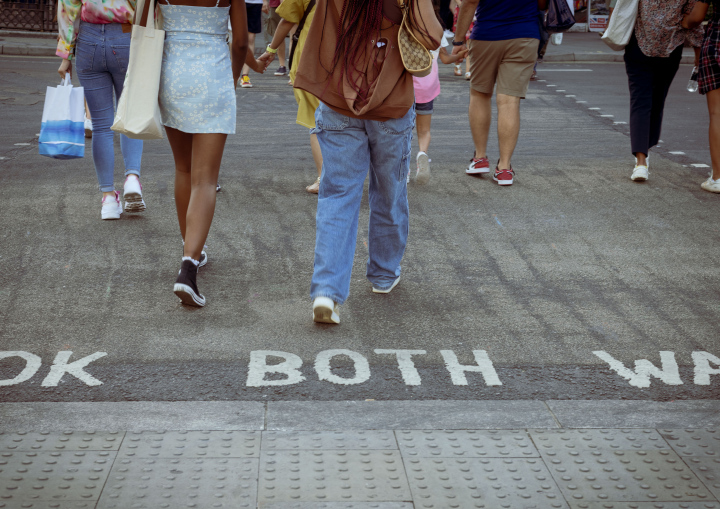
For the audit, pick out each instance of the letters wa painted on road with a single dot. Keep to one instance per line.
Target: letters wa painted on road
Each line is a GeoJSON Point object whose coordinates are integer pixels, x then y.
{"type": "Point", "coordinates": [289, 368]}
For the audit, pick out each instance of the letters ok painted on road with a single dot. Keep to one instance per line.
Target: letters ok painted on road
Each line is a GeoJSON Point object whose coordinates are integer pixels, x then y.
{"type": "Point", "coordinates": [59, 367]}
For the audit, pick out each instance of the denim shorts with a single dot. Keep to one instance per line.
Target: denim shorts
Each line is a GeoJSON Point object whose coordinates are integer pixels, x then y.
{"type": "Point", "coordinates": [424, 108]}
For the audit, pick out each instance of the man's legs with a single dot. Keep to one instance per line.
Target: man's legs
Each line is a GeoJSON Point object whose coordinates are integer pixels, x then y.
{"type": "Point", "coordinates": [480, 113]}
{"type": "Point", "coordinates": [508, 127]}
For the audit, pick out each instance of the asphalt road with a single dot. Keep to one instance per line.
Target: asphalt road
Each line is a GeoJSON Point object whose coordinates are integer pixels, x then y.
{"type": "Point", "coordinates": [559, 284]}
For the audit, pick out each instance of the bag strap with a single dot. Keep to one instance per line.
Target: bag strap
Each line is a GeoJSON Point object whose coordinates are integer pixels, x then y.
{"type": "Point", "coordinates": [296, 35]}
{"type": "Point", "coordinates": [144, 9]}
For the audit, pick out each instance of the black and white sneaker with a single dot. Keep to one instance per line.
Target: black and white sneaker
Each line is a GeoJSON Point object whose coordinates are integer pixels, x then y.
{"type": "Point", "coordinates": [185, 286]}
{"type": "Point", "coordinates": [203, 259]}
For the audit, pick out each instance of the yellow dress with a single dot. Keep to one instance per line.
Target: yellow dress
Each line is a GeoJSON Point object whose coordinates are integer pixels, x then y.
{"type": "Point", "coordinates": [293, 11]}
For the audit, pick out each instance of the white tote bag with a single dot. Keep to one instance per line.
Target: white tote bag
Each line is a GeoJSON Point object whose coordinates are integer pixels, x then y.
{"type": "Point", "coordinates": [138, 111]}
{"type": "Point", "coordinates": [62, 133]}
{"type": "Point", "coordinates": [622, 24]}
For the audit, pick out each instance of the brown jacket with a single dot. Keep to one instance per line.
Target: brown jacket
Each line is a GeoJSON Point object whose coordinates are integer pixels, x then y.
{"type": "Point", "coordinates": [389, 87]}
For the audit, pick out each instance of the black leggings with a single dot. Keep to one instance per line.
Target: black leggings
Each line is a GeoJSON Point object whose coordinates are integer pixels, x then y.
{"type": "Point", "coordinates": [649, 79]}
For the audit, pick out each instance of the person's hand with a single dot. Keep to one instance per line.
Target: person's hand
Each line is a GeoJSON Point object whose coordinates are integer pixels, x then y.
{"type": "Point", "coordinates": [259, 67]}
{"type": "Point", "coordinates": [65, 68]}
{"type": "Point", "coordinates": [265, 7]}
{"type": "Point", "coordinates": [457, 49]}
{"type": "Point", "coordinates": [266, 59]}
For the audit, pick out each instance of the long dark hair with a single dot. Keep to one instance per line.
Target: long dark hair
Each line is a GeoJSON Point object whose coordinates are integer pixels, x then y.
{"type": "Point", "coordinates": [360, 20]}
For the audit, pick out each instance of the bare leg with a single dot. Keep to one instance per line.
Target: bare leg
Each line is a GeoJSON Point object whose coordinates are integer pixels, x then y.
{"type": "Point", "coordinates": [318, 158]}
{"type": "Point", "coordinates": [195, 193]}
{"type": "Point", "coordinates": [281, 54]}
{"type": "Point", "coordinates": [713, 101]}
{"type": "Point", "coordinates": [480, 118]}
{"type": "Point", "coordinates": [423, 131]}
{"type": "Point", "coordinates": [251, 49]}
{"type": "Point", "coordinates": [508, 127]}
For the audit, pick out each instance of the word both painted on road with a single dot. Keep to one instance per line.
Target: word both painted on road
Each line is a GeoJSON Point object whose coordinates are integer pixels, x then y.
{"type": "Point", "coordinates": [272, 368]}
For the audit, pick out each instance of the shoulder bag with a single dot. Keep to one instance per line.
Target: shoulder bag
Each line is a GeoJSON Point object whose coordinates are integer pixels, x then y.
{"type": "Point", "coordinates": [138, 111]}
{"type": "Point", "coordinates": [296, 35]}
{"type": "Point", "coordinates": [622, 24]}
{"type": "Point", "coordinates": [415, 57]}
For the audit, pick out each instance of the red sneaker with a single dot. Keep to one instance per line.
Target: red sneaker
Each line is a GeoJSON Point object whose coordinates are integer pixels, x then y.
{"type": "Point", "coordinates": [477, 166]}
{"type": "Point", "coordinates": [504, 177]}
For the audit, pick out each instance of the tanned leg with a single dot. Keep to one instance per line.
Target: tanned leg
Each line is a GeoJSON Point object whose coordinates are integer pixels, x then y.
{"type": "Point", "coordinates": [422, 123]}
{"type": "Point", "coordinates": [181, 145]}
{"type": "Point", "coordinates": [508, 127]}
{"type": "Point", "coordinates": [480, 117]}
{"type": "Point", "coordinates": [713, 102]}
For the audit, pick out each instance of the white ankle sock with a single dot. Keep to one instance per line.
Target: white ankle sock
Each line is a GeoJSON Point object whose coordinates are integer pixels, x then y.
{"type": "Point", "coordinates": [418, 154]}
{"type": "Point", "coordinates": [195, 262]}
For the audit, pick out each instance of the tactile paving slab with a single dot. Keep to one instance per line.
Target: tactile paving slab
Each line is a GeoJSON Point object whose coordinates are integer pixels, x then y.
{"type": "Point", "coordinates": [57, 475]}
{"type": "Point", "coordinates": [489, 483]}
{"type": "Point", "coordinates": [207, 483]}
{"type": "Point", "coordinates": [49, 504]}
{"type": "Point", "coordinates": [645, 505]}
{"type": "Point", "coordinates": [708, 470]}
{"type": "Point", "coordinates": [338, 440]}
{"type": "Point", "coordinates": [64, 441]}
{"type": "Point", "coordinates": [191, 444]}
{"type": "Point", "coordinates": [466, 444]}
{"type": "Point", "coordinates": [693, 442]}
{"type": "Point", "coordinates": [598, 439]}
{"type": "Point", "coordinates": [337, 505]}
{"type": "Point", "coordinates": [624, 476]}
{"type": "Point", "coordinates": [332, 476]}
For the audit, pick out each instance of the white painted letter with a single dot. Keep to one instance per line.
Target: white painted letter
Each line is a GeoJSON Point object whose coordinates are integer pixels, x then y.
{"type": "Point", "coordinates": [60, 367]}
{"type": "Point", "coordinates": [258, 367]}
{"type": "Point", "coordinates": [457, 370]}
{"type": "Point", "coordinates": [644, 369]}
{"type": "Point", "coordinates": [322, 366]}
{"type": "Point", "coordinates": [32, 364]}
{"type": "Point", "coordinates": [703, 370]}
{"type": "Point", "coordinates": [407, 366]}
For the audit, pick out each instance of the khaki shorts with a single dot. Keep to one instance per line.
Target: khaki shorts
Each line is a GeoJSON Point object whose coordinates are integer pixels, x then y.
{"type": "Point", "coordinates": [509, 63]}
{"type": "Point", "coordinates": [271, 22]}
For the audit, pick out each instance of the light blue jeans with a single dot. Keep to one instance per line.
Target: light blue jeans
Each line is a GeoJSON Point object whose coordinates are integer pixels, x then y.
{"type": "Point", "coordinates": [101, 60]}
{"type": "Point", "coordinates": [350, 147]}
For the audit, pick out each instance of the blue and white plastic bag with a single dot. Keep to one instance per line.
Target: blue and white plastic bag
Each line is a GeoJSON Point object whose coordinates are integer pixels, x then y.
{"type": "Point", "coordinates": [62, 134]}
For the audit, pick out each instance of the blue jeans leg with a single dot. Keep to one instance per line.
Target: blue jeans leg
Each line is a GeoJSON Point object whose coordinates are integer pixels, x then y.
{"type": "Point", "coordinates": [346, 159]}
{"type": "Point", "coordinates": [102, 53]}
{"type": "Point", "coordinates": [350, 148]}
{"type": "Point", "coordinates": [389, 212]}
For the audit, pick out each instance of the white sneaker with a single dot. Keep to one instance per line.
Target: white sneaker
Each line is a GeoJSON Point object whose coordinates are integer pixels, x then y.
{"type": "Point", "coordinates": [325, 310]}
{"type": "Point", "coordinates": [111, 207]}
{"type": "Point", "coordinates": [640, 173]}
{"type": "Point", "coordinates": [711, 185]}
{"type": "Point", "coordinates": [88, 128]}
{"type": "Point", "coordinates": [133, 194]}
{"type": "Point", "coordinates": [423, 169]}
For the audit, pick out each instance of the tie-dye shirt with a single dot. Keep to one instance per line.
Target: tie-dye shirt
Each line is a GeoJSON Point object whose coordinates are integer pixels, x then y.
{"type": "Point", "coordinates": [101, 12]}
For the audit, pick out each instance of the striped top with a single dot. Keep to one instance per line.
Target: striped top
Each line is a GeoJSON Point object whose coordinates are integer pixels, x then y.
{"type": "Point", "coordinates": [100, 12]}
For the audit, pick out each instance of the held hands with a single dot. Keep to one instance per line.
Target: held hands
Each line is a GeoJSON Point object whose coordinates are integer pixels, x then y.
{"type": "Point", "coordinates": [457, 49]}
{"type": "Point", "coordinates": [459, 56]}
{"type": "Point", "coordinates": [266, 59]}
{"type": "Point", "coordinates": [65, 67]}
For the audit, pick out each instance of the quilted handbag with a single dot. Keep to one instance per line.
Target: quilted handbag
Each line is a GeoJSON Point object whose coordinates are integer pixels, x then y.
{"type": "Point", "coordinates": [415, 57]}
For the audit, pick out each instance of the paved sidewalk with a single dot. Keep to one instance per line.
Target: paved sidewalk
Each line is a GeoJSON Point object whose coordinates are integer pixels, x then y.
{"type": "Point", "coordinates": [272, 459]}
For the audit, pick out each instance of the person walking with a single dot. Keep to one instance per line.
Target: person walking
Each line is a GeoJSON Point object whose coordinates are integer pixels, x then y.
{"type": "Point", "coordinates": [292, 14]}
{"type": "Point", "coordinates": [503, 50]}
{"type": "Point", "coordinates": [652, 58]}
{"type": "Point", "coordinates": [95, 31]}
{"type": "Point", "coordinates": [351, 62]}
{"type": "Point", "coordinates": [255, 10]}
{"type": "Point", "coordinates": [271, 24]}
{"type": "Point", "coordinates": [198, 119]}
{"type": "Point", "coordinates": [709, 80]}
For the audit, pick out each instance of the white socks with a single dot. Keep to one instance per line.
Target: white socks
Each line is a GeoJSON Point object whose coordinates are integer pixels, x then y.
{"type": "Point", "coordinates": [195, 262]}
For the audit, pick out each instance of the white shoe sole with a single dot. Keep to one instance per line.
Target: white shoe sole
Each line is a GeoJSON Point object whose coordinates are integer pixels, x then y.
{"type": "Point", "coordinates": [187, 296]}
{"type": "Point", "coordinates": [109, 214]}
{"type": "Point", "coordinates": [324, 312]}
{"type": "Point", "coordinates": [387, 290]}
{"type": "Point", "coordinates": [503, 182]}
{"type": "Point", "coordinates": [134, 202]}
{"type": "Point", "coordinates": [475, 171]}
{"type": "Point", "coordinates": [246, 86]}
{"type": "Point", "coordinates": [423, 170]}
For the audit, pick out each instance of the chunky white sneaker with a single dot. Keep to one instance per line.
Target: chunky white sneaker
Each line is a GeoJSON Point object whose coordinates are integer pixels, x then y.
{"type": "Point", "coordinates": [325, 310]}
{"type": "Point", "coordinates": [711, 185]}
{"type": "Point", "coordinates": [423, 169]}
{"type": "Point", "coordinates": [111, 206]}
{"type": "Point", "coordinates": [133, 194]}
{"type": "Point", "coordinates": [640, 173]}
{"type": "Point", "coordinates": [88, 128]}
